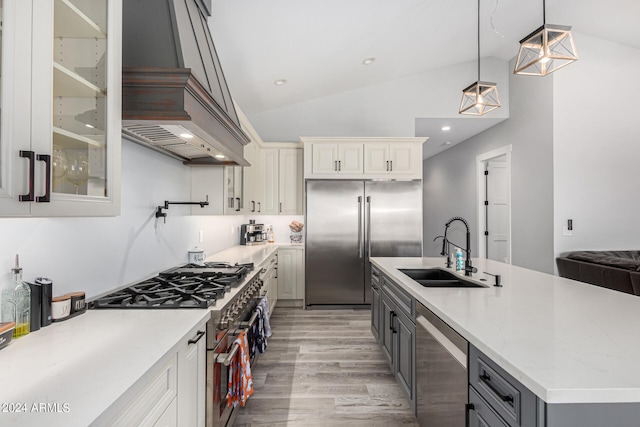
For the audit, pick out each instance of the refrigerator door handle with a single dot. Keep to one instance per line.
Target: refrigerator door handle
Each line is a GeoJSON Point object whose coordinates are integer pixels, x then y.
{"type": "Point", "coordinates": [360, 227]}
{"type": "Point", "coordinates": [368, 226]}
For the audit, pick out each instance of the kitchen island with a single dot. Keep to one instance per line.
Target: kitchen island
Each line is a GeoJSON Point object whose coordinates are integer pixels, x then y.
{"type": "Point", "coordinates": [568, 342]}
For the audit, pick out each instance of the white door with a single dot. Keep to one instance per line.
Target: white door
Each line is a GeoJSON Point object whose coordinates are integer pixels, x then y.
{"type": "Point", "coordinates": [324, 158]}
{"type": "Point", "coordinates": [497, 189]}
{"type": "Point", "coordinates": [350, 158]}
{"type": "Point", "coordinates": [376, 158]}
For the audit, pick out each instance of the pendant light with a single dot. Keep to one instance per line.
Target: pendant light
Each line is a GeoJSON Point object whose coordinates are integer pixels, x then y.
{"type": "Point", "coordinates": [545, 50]}
{"type": "Point", "coordinates": [480, 97]}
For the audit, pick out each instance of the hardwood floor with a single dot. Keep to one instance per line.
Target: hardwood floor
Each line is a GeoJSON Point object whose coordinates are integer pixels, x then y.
{"type": "Point", "coordinates": [323, 368]}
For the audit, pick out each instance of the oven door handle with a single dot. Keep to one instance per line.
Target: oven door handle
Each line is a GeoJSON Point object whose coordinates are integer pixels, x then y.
{"type": "Point", "coordinates": [247, 324]}
{"type": "Point", "coordinates": [226, 358]}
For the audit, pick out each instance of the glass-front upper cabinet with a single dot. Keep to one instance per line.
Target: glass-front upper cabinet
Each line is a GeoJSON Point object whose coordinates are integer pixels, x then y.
{"type": "Point", "coordinates": [72, 164]}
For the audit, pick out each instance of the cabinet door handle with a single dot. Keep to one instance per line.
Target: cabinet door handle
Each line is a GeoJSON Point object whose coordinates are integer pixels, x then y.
{"type": "Point", "coordinates": [335, 165]}
{"type": "Point", "coordinates": [238, 208]}
{"type": "Point", "coordinates": [390, 165]}
{"type": "Point", "coordinates": [339, 165]}
{"type": "Point", "coordinates": [46, 158]}
{"type": "Point", "coordinates": [486, 379]}
{"type": "Point", "coordinates": [31, 156]}
{"type": "Point", "coordinates": [387, 165]}
{"type": "Point", "coordinates": [253, 206]}
{"type": "Point", "coordinates": [391, 315]}
{"type": "Point", "coordinates": [259, 207]}
{"type": "Point", "coordinates": [194, 340]}
{"type": "Point", "coordinates": [468, 408]}
{"type": "Point", "coordinates": [280, 207]}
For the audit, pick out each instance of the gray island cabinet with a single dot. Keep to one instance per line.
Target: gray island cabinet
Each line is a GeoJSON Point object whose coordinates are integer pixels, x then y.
{"type": "Point", "coordinates": [495, 397]}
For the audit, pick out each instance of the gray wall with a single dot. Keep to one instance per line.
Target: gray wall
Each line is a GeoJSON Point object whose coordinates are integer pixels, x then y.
{"type": "Point", "coordinates": [450, 178]}
{"type": "Point", "coordinates": [596, 148]}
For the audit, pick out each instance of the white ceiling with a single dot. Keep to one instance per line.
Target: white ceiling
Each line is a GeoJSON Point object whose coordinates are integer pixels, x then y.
{"type": "Point", "coordinates": [318, 46]}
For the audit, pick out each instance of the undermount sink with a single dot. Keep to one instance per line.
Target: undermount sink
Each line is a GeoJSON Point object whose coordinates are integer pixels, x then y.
{"type": "Point", "coordinates": [436, 278]}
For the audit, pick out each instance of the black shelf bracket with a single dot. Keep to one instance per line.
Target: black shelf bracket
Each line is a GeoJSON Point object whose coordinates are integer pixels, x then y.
{"type": "Point", "coordinates": [163, 215]}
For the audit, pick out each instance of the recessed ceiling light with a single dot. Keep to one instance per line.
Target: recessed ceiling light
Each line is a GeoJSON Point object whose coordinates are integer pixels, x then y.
{"type": "Point", "coordinates": [369, 61]}
{"type": "Point", "coordinates": [186, 135]}
{"type": "Point", "coordinates": [446, 128]}
{"type": "Point", "coordinates": [280, 82]}
{"type": "Point", "coordinates": [447, 143]}
{"type": "Point", "coordinates": [220, 156]}
{"type": "Point", "coordinates": [89, 126]}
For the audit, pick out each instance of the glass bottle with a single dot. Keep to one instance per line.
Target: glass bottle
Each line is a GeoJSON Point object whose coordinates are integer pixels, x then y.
{"type": "Point", "coordinates": [271, 237]}
{"type": "Point", "coordinates": [22, 299]}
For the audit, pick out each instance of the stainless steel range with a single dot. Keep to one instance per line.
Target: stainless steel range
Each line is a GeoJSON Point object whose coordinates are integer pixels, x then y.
{"type": "Point", "coordinates": [231, 292]}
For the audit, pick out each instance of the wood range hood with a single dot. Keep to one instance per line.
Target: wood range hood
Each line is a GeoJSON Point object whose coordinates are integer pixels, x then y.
{"type": "Point", "coordinates": [175, 98]}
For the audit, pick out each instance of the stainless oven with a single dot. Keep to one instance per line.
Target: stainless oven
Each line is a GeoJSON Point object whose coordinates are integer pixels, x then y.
{"type": "Point", "coordinates": [222, 330]}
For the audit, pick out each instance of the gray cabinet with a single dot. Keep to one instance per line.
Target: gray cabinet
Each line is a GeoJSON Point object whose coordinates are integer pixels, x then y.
{"type": "Point", "coordinates": [515, 405]}
{"type": "Point", "coordinates": [393, 326]}
{"type": "Point", "coordinates": [375, 310]}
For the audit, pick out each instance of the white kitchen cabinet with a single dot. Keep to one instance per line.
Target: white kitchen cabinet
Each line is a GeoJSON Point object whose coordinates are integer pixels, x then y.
{"type": "Point", "coordinates": [252, 178]}
{"type": "Point", "coordinates": [281, 181]}
{"type": "Point", "coordinates": [291, 275]}
{"type": "Point", "coordinates": [149, 404]}
{"type": "Point", "coordinates": [234, 194]}
{"type": "Point", "coordinates": [362, 158]}
{"type": "Point", "coordinates": [290, 181]}
{"type": "Point", "coordinates": [393, 159]}
{"type": "Point", "coordinates": [169, 416]}
{"type": "Point", "coordinates": [269, 181]}
{"type": "Point", "coordinates": [269, 277]}
{"type": "Point", "coordinates": [331, 159]}
{"type": "Point", "coordinates": [191, 391]}
{"type": "Point", "coordinates": [61, 108]}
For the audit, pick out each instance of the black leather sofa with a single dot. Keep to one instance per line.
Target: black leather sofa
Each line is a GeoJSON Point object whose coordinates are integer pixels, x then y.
{"type": "Point", "coordinates": [618, 270]}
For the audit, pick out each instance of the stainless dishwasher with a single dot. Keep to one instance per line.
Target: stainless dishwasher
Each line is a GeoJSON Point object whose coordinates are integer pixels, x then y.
{"type": "Point", "coordinates": [441, 372]}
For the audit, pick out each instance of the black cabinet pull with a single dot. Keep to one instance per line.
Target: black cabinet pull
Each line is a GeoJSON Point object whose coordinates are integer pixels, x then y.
{"type": "Point", "coordinates": [485, 378]}
{"type": "Point", "coordinates": [199, 335]}
{"type": "Point", "coordinates": [387, 165]}
{"type": "Point", "coordinates": [238, 208]}
{"type": "Point", "coordinates": [253, 206]}
{"type": "Point", "coordinates": [392, 314]}
{"type": "Point", "coordinates": [46, 158]}
{"type": "Point", "coordinates": [468, 408]}
{"type": "Point", "coordinates": [31, 156]}
{"type": "Point", "coordinates": [259, 207]}
{"type": "Point", "coordinates": [339, 165]}
{"type": "Point", "coordinates": [390, 165]}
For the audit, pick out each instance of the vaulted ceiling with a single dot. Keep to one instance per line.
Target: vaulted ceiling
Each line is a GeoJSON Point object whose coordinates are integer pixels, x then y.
{"type": "Point", "coordinates": [318, 47]}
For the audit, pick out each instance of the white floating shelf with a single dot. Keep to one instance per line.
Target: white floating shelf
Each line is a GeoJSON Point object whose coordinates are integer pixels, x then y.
{"type": "Point", "coordinates": [71, 22]}
{"type": "Point", "coordinates": [67, 139]}
{"type": "Point", "coordinates": [68, 83]}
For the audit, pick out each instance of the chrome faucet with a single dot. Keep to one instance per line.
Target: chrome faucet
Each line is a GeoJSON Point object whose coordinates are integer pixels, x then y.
{"type": "Point", "coordinates": [468, 267]}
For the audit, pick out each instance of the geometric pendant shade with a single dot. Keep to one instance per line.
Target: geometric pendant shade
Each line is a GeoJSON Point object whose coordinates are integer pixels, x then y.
{"type": "Point", "coordinates": [546, 50]}
{"type": "Point", "coordinates": [479, 97]}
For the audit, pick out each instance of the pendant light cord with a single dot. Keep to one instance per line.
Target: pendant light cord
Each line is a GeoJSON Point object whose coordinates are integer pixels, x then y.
{"type": "Point", "coordinates": [478, 41]}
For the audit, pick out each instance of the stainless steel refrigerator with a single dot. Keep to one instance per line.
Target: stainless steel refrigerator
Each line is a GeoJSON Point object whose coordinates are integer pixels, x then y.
{"type": "Point", "coordinates": [349, 221]}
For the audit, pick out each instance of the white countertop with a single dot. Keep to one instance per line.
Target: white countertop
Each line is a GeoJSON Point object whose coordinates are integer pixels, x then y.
{"type": "Point", "coordinates": [256, 254]}
{"type": "Point", "coordinates": [567, 341]}
{"type": "Point", "coordinates": [87, 362]}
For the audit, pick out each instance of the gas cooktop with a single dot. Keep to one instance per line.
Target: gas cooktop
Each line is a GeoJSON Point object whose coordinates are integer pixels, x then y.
{"type": "Point", "coordinates": [186, 286]}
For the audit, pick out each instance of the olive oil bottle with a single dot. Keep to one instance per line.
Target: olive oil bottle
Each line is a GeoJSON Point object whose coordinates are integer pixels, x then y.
{"type": "Point", "coordinates": [22, 299]}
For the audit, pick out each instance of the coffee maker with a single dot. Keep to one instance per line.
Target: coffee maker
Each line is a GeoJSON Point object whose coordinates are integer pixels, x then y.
{"type": "Point", "coordinates": [252, 233]}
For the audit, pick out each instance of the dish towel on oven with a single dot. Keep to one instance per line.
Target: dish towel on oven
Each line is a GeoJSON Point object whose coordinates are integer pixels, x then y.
{"type": "Point", "coordinates": [240, 385]}
{"type": "Point", "coordinates": [261, 329]}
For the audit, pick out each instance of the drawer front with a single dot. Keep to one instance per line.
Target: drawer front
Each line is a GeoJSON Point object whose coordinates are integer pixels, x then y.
{"type": "Point", "coordinates": [508, 397]}
{"type": "Point", "coordinates": [146, 407]}
{"type": "Point", "coordinates": [403, 301]}
{"type": "Point", "coordinates": [375, 275]}
{"type": "Point", "coordinates": [480, 413]}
